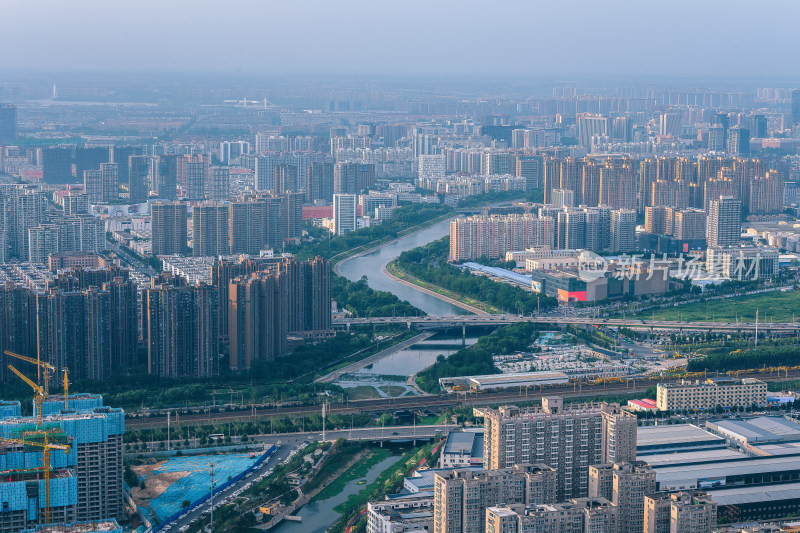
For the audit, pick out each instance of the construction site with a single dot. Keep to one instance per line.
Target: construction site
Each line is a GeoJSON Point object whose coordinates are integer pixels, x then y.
{"type": "Point", "coordinates": [170, 481]}
{"type": "Point", "coordinates": [60, 469]}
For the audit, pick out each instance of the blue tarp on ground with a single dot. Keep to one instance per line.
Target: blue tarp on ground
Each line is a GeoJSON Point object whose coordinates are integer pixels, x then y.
{"type": "Point", "coordinates": [197, 481]}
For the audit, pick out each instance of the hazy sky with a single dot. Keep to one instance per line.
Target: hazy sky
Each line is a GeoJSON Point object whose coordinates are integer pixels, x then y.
{"type": "Point", "coordinates": [730, 38]}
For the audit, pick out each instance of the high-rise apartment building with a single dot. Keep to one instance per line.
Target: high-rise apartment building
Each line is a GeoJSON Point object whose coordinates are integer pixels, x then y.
{"type": "Point", "coordinates": [263, 220]}
{"type": "Point", "coordinates": [738, 140]}
{"type": "Point", "coordinates": [232, 150]}
{"type": "Point", "coordinates": [530, 169]}
{"type": "Point", "coordinates": [578, 515]}
{"type": "Point", "coordinates": [655, 219]}
{"type": "Point", "coordinates": [625, 485]}
{"type": "Point", "coordinates": [192, 172]}
{"type": "Point", "coordinates": [220, 184]}
{"type": "Point", "coordinates": [138, 174]}
{"type": "Point", "coordinates": [76, 203]}
{"type": "Point", "coordinates": [319, 181]}
{"type": "Point", "coordinates": [623, 230]}
{"type": "Point", "coordinates": [87, 322]}
{"type": "Point", "coordinates": [493, 236]}
{"type": "Point", "coordinates": [93, 185]}
{"type": "Point", "coordinates": [86, 484]}
{"type": "Point", "coordinates": [166, 177]}
{"type": "Point", "coordinates": [210, 229]}
{"type": "Point", "coordinates": [8, 124]}
{"type": "Point", "coordinates": [689, 225]}
{"type": "Point", "coordinates": [724, 222]}
{"type": "Point", "coordinates": [42, 241]}
{"type": "Point", "coordinates": [169, 228]}
{"type": "Point", "coordinates": [225, 271]}
{"type": "Point", "coordinates": [24, 208]}
{"type": "Point", "coordinates": [121, 156]}
{"type": "Point", "coordinates": [571, 225]}
{"type": "Point", "coordinates": [431, 166]}
{"type": "Point", "coordinates": [90, 158]}
{"type": "Point", "coordinates": [498, 163]}
{"type": "Point", "coordinates": [460, 497]}
{"type": "Point", "coordinates": [766, 194]}
{"type": "Point", "coordinates": [344, 213]}
{"type": "Point", "coordinates": [57, 165]}
{"type": "Point", "coordinates": [248, 226]}
{"type": "Point", "coordinates": [18, 317]}
{"type": "Point", "coordinates": [258, 315]}
{"type": "Point", "coordinates": [679, 512]}
{"type": "Point", "coordinates": [795, 107]}
{"type": "Point", "coordinates": [352, 177]}
{"type": "Point", "coordinates": [180, 328]}
{"type": "Point", "coordinates": [567, 440]}
{"type": "Point", "coordinates": [76, 233]}
{"type": "Point", "coordinates": [670, 124]}
{"type": "Point", "coordinates": [716, 138]}
{"type": "Point", "coordinates": [268, 298]}
{"type": "Point", "coordinates": [109, 182]}
{"type": "Point", "coordinates": [589, 126]}
{"type": "Point", "coordinates": [370, 202]}
{"type": "Point", "coordinates": [563, 198]}
{"type": "Point", "coordinates": [618, 184]}
{"type": "Point", "coordinates": [309, 295]}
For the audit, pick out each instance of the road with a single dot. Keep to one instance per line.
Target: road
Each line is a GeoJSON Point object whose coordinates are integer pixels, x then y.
{"type": "Point", "coordinates": [336, 374]}
{"type": "Point", "coordinates": [373, 434]}
{"type": "Point", "coordinates": [504, 319]}
{"type": "Point", "coordinates": [288, 443]}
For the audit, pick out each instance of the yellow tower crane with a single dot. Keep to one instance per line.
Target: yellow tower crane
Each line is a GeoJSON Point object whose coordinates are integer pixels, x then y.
{"type": "Point", "coordinates": [46, 447]}
{"type": "Point", "coordinates": [38, 396]}
{"type": "Point", "coordinates": [66, 390]}
{"type": "Point", "coordinates": [44, 368]}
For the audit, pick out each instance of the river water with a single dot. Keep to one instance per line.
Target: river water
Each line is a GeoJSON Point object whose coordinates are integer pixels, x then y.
{"type": "Point", "coordinates": [372, 264]}
{"type": "Point", "coordinates": [318, 515]}
{"type": "Point", "coordinates": [387, 377]}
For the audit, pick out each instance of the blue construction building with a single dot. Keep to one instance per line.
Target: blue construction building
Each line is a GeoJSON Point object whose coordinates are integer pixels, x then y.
{"type": "Point", "coordinates": [85, 484]}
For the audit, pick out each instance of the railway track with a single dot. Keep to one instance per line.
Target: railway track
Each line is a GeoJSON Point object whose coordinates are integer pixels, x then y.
{"type": "Point", "coordinates": [431, 402]}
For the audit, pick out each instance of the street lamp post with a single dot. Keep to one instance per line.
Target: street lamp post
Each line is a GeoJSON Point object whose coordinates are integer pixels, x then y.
{"type": "Point", "coordinates": [211, 471]}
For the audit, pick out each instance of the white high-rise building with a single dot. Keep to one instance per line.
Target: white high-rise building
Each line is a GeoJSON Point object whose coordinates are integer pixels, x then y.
{"type": "Point", "coordinates": [589, 125]}
{"type": "Point", "coordinates": [724, 222]}
{"type": "Point", "coordinates": [623, 230]}
{"type": "Point", "coordinates": [716, 138]}
{"type": "Point", "coordinates": [431, 166]}
{"type": "Point", "coordinates": [344, 213]}
{"type": "Point", "coordinates": [669, 124]}
{"type": "Point", "coordinates": [563, 198]}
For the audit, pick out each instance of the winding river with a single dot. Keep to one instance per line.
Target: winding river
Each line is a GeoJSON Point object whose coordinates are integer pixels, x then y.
{"type": "Point", "coordinates": [371, 264]}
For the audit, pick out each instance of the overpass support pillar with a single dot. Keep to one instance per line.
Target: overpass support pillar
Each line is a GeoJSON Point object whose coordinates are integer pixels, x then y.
{"type": "Point", "coordinates": [348, 327]}
{"type": "Point", "coordinates": [463, 334]}
{"type": "Point", "coordinates": [408, 324]}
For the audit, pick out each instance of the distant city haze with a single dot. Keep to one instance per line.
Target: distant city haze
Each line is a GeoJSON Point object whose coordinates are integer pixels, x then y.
{"type": "Point", "coordinates": [684, 38]}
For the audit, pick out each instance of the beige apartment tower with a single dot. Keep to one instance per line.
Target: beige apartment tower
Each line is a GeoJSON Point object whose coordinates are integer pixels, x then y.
{"type": "Point", "coordinates": [569, 440]}
{"type": "Point", "coordinates": [625, 485]}
{"type": "Point", "coordinates": [679, 512]}
{"type": "Point", "coordinates": [462, 496]}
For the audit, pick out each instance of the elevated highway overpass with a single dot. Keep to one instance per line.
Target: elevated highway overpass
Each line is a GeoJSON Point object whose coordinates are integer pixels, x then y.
{"type": "Point", "coordinates": [452, 321]}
